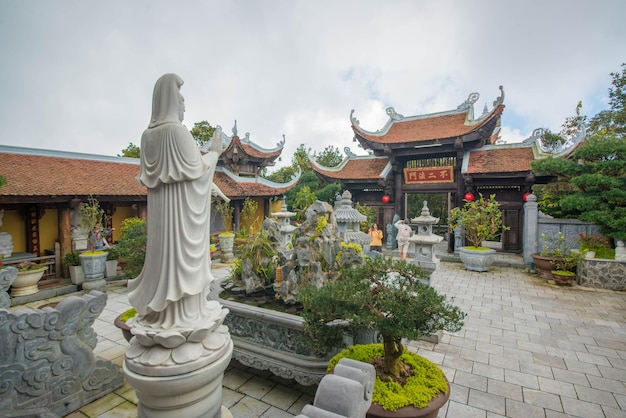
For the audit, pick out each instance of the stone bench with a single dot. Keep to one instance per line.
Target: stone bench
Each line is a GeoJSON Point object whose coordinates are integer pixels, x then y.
{"type": "Point", "coordinates": [347, 393]}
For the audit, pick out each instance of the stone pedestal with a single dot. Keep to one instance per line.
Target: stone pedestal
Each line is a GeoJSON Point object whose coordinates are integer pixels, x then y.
{"type": "Point", "coordinates": [196, 394]}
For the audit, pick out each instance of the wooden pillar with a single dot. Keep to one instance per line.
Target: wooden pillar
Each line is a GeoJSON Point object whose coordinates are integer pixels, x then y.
{"type": "Point", "coordinates": [398, 199]}
{"type": "Point", "coordinates": [142, 211]}
{"type": "Point", "coordinates": [65, 234]}
{"type": "Point", "coordinates": [236, 215]}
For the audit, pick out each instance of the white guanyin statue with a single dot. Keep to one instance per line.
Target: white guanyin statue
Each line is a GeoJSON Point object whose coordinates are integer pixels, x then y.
{"type": "Point", "coordinates": [6, 240]}
{"type": "Point", "coordinates": [170, 292]}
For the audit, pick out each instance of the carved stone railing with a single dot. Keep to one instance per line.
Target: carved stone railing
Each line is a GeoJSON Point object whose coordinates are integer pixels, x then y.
{"type": "Point", "coordinates": [47, 364]}
{"type": "Point", "coordinates": [270, 340]}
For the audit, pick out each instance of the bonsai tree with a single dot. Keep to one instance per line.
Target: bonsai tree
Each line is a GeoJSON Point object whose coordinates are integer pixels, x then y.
{"type": "Point", "coordinates": [91, 219]}
{"type": "Point", "coordinates": [383, 294]}
{"type": "Point", "coordinates": [481, 220]}
{"type": "Point", "coordinates": [225, 210]}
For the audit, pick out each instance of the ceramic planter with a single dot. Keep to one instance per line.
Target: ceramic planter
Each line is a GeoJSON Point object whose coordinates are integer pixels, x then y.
{"type": "Point", "coordinates": [563, 279]}
{"type": "Point", "coordinates": [477, 260]}
{"type": "Point", "coordinates": [26, 282]}
{"type": "Point", "coordinates": [125, 328]}
{"type": "Point", "coordinates": [94, 267]}
{"type": "Point", "coordinates": [545, 265]}
{"type": "Point", "coordinates": [430, 411]}
{"type": "Point", "coordinates": [111, 268]}
{"type": "Point", "coordinates": [76, 274]}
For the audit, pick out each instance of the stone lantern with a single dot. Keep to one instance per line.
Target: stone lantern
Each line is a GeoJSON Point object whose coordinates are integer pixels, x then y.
{"type": "Point", "coordinates": [425, 240]}
{"type": "Point", "coordinates": [286, 229]}
{"type": "Point", "coordinates": [348, 220]}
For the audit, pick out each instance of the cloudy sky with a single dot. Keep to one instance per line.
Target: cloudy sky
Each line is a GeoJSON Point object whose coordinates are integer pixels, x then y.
{"type": "Point", "coordinates": [78, 74]}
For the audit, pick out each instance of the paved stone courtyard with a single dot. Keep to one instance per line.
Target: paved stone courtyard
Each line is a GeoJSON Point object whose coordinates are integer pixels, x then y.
{"type": "Point", "coordinates": [528, 349]}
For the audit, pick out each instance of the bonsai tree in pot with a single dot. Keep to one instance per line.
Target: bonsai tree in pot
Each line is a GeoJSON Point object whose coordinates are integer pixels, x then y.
{"type": "Point", "coordinates": [94, 259]}
{"type": "Point", "coordinates": [564, 272]}
{"type": "Point", "coordinates": [72, 261]}
{"type": "Point", "coordinates": [386, 295]}
{"type": "Point", "coordinates": [480, 220]}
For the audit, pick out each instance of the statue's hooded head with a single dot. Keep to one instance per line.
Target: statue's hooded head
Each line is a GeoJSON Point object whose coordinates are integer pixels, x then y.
{"type": "Point", "coordinates": [167, 102]}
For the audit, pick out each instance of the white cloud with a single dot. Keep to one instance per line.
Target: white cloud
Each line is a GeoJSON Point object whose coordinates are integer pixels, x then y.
{"type": "Point", "coordinates": [79, 75]}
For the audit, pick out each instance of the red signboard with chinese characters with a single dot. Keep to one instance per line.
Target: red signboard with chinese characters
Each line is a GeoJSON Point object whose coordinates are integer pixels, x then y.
{"type": "Point", "coordinates": [425, 175]}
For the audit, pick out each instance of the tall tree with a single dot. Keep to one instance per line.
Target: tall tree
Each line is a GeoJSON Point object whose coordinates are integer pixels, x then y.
{"type": "Point", "coordinates": [595, 174]}
{"type": "Point", "coordinates": [131, 151]}
{"type": "Point", "coordinates": [330, 157]}
{"type": "Point", "coordinates": [202, 132]}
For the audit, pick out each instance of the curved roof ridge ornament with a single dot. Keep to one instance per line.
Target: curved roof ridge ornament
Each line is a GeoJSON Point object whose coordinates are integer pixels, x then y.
{"type": "Point", "coordinates": [246, 137]}
{"type": "Point", "coordinates": [393, 115]}
{"type": "Point", "coordinates": [348, 152]}
{"type": "Point", "coordinates": [281, 144]}
{"type": "Point", "coordinates": [469, 103]}
{"type": "Point", "coordinates": [235, 128]}
{"type": "Point", "coordinates": [500, 99]}
{"type": "Point", "coordinates": [354, 120]}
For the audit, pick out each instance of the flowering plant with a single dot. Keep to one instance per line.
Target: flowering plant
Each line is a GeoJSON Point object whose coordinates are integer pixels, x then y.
{"type": "Point", "coordinates": [593, 242]}
{"type": "Point", "coordinates": [556, 246]}
{"type": "Point", "coordinates": [29, 265]}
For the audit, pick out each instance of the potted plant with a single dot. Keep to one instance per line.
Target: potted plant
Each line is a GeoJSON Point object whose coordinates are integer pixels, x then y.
{"type": "Point", "coordinates": [595, 246]}
{"type": "Point", "coordinates": [480, 220]}
{"type": "Point", "coordinates": [552, 250]}
{"type": "Point", "coordinates": [28, 274]}
{"type": "Point", "coordinates": [120, 322]}
{"type": "Point", "coordinates": [131, 247]}
{"type": "Point", "coordinates": [111, 263]}
{"type": "Point", "coordinates": [391, 297]}
{"type": "Point", "coordinates": [94, 259]}
{"type": "Point", "coordinates": [72, 261]}
{"type": "Point", "coordinates": [564, 272]}
{"type": "Point", "coordinates": [227, 239]}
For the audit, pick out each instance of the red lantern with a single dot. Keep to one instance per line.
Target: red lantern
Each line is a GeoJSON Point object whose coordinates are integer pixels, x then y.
{"type": "Point", "coordinates": [386, 198]}
{"type": "Point", "coordinates": [469, 197]}
{"type": "Point", "coordinates": [525, 197]}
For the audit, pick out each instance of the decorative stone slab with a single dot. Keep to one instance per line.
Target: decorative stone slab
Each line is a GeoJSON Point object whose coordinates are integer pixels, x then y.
{"type": "Point", "coordinates": [7, 276]}
{"type": "Point", "coordinates": [47, 365]}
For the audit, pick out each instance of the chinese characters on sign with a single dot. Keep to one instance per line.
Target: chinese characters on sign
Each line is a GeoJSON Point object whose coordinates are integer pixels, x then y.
{"type": "Point", "coordinates": [425, 175]}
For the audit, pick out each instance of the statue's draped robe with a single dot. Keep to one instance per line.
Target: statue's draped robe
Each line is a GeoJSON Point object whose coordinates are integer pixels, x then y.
{"type": "Point", "coordinates": [171, 290]}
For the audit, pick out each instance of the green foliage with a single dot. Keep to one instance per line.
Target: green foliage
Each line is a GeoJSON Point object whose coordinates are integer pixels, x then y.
{"type": "Point", "coordinates": [131, 151]}
{"type": "Point", "coordinates": [552, 142]}
{"type": "Point", "coordinates": [555, 247]}
{"type": "Point", "coordinates": [248, 212]}
{"type": "Point", "coordinates": [131, 246]}
{"type": "Point", "coordinates": [303, 200]}
{"type": "Point", "coordinates": [262, 253]}
{"type": "Point", "coordinates": [597, 175]}
{"type": "Point", "coordinates": [127, 314]}
{"type": "Point", "coordinates": [202, 132]}
{"type": "Point", "coordinates": [481, 220]}
{"type": "Point", "coordinates": [426, 382]}
{"type": "Point", "coordinates": [225, 210]}
{"type": "Point", "coordinates": [91, 217]}
{"type": "Point", "coordinates": [568, 262]}
{"type": "Point", "coordinates": [368, 211]}
{"type": "Point", "coordinates": [72, 259]}
{"type": "Point", "coordinates": [387, 295]}
{"type": "Point", "coordinates": [612, 122]}
{"type": "Point", "coordinates": [3, 181]}
{"type": "Point", "coordinates": [329, 157]}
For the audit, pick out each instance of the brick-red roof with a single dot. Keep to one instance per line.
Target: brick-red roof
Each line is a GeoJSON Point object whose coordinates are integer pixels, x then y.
{"type": "Point", "coordinates": [37, 175]}
{"type": "Point", "coordinates": [504, 160]}
{"type": "Point", "coordinates": [255, 152]}
{"type": "Point", "coordinates": [251, 188]}
{"type": "Point", "coordinates": [428, 128]}
{"type": "Point", "coordinates": [357, 169]}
